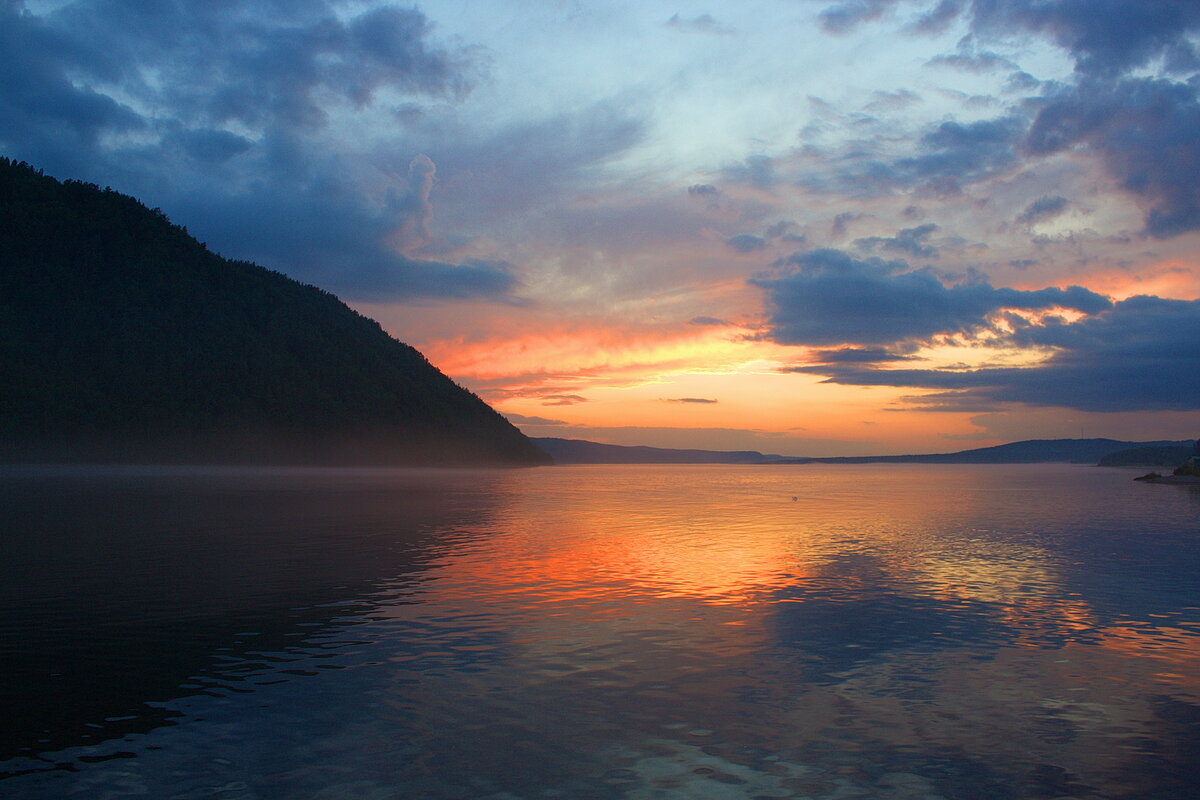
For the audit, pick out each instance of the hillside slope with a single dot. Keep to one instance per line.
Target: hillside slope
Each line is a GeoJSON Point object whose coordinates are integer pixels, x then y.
{"type": "Point", "coordinates": [123, 338]}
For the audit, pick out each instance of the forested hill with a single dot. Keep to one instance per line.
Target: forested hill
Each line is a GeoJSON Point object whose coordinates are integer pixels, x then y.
{"type": "Point", "coordinates": [123, 338]}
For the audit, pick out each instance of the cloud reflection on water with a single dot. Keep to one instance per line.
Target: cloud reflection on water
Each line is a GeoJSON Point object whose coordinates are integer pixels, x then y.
{"type": "Point", "coordinates": [621, 632]}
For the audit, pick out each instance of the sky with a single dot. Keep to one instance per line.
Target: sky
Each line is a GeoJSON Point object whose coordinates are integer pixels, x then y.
{"type": "Point", "coordinates": [795, 226]}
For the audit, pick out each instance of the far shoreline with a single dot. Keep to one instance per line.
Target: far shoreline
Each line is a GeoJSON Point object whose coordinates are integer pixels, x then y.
{"type": "Point", "coordinates": [1176, 480]}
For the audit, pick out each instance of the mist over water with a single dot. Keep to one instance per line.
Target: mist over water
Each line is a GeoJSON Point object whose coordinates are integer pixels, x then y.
{"type": "Point", "coordinates": [883, 631]}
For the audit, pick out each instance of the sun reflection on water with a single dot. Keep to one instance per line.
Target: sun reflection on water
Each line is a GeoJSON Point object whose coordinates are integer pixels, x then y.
{"type": "Point", "coordinates": [639, 632]}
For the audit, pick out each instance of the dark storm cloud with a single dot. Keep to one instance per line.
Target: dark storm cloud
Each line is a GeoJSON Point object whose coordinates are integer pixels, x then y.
{"type": "Point", "coordinates": [1139, 355]}
{"type": "Point", "coordinates": [1141, 129]}
{"type": "Point", "coordinates": [1042, 209]}
{"type": "Point", "coordinates": [261, 65]}
{"type": "Point", "coordinates": [963, 152]}
{"type": "Point", "coordinates": [40, 105]}
{"type": "Point", "coordinates": [340, 246]}
{"type": "Point", "coordinates": [1144, 131]}
{"type": "Point", "coordinates": [206, 145]}
{"type": "Point", "coordinates": [827, 297]}
{"type": "Point", "coordinates": [909, 241]}
{"type": "Point", "coordinates": [216, 111]}
{"type": "Point", "coordinates": [1106, 37]}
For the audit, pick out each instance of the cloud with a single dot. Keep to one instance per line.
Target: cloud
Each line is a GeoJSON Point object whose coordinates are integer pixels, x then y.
{"type": "Point", "coordinates": [845, 17]}
{"type": "Point", "coordinates": [746, 243]}
{"type": "Point", "coordinates": [1144, 132]}
{"type": "Point", "coordinates": [859, 355]}
{"type": "Point", "coordinates": [1106, 37]}
{"type": "Point", "coordinates": [242, 62]}
{"type": "Point", "coordinates": [891, 101]}
{"type": "Point", "coordinates": [221, 113]}
{"type": "Point", "coordinates": [946, 157]}
{"type": "Point", "coordinates": [838, 228]}
{"type": "Point", "coordinates": [527, 161]}
{"type": "Point", "coordinates": [941, 17]}
{"type": "Point", "coordinates": [827, 297]}
{"type": "Point", "coordinates": [756, 170]}
{"type": "Point", "coordinates": [322, 234]}
{"type": "Point", "coordinates": [1021, 82]}
{"type": "Point", "coordinates": [41, 105]}
{"type": "Point", "coordinates": [976, 63]}
{"type": "Point", "coordinates": [956, 153]}
{"type": "Point", "coordinates": [1140, 128]}
{"type": "Point", "coordinates": [909, 241]}
{"type": "Point", "coordinates": [414, 207]}
{"type": "Point", "coordinates": [1138, 355]}
{"type": "Point", "coordinates": [780, 229]}
{"type": "Point", "coordinates": [702, 400]}
{"type": "Point", "coordinates": [706, 321]}
{"type": "Point", "coordinates": [1042, 209]}
{"type": "Point", "coordinates": [562, 399]}
{"type": "Point", "coordinates": [704, 23]}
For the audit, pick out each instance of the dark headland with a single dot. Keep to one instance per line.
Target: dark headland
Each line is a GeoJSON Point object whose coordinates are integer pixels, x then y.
{"type": "Point", "coordinates": [122, 338]}
{"type": "Point", "coordinates": [1187, 472]}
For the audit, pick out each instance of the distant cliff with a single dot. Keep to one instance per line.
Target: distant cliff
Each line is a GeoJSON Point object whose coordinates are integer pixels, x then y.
{"type": "Point", "coordinates": [123, 338]}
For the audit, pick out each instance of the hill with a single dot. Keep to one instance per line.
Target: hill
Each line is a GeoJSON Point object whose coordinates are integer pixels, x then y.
{"type": "Point", "coordinates": [1078, 451]}
{"type": "Point", "coordinates": [1160, 456]}
{"type": "Point", "coordinates": [580, 451]}
{"type": "Point", "coordinates": [1032, 451]}
{"type": "Point", "coordinates": [123, 338]}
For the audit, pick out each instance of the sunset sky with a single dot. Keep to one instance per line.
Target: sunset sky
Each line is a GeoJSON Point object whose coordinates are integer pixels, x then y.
{"type": "Point", "coordinates": [796, 226]}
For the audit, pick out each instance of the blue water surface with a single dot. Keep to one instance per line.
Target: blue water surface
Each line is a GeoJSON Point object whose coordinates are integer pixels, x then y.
{"type": "Point", "coordinates": [815, 631]}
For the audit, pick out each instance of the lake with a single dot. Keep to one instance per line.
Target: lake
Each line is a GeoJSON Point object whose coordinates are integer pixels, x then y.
{"type": "Point", "coordinates": [701, 631]}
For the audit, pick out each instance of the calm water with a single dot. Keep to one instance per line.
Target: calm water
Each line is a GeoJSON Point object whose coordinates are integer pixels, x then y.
{"type": "Point", "coordinates": [893, 631]}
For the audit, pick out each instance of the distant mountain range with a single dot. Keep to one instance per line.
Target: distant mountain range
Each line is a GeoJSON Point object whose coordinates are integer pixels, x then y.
{"type": "Point", "coordinates": [1077, 451]}
{"type": "Point", "coordinates": [579, 451]}
{"type": "Point", "coordinates": [122, 338]}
